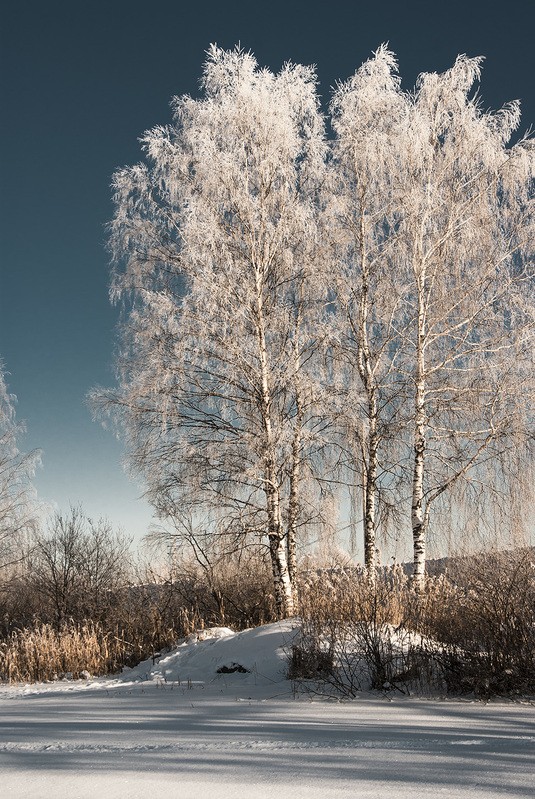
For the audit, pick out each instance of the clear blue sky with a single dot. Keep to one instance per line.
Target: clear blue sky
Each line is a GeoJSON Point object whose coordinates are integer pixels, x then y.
{"type": "Point", "coordinates": [80, 83]}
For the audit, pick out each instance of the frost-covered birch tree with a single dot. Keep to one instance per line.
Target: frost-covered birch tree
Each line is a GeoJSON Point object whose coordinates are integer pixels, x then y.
{"type": "Point", "coordinates": [18, 503]}
{"type": "Point", "coordinates": [369, 118]}
{"type": "Point", "coordinates": [434, 229]}
{"type": "Point", "coordinates": [215, 244]}
{"type": "Point", "coordinates": [465, 256]}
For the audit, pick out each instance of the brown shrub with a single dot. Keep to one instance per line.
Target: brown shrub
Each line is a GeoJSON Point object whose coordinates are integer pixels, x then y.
{"type": "Point", "coordinates": [472, 630]}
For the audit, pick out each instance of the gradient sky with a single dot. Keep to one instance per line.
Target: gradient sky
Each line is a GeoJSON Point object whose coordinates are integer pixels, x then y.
{"type": "Point", "coordinates": [79, 83]}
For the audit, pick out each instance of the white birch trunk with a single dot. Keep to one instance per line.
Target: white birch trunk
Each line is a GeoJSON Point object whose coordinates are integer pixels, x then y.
{"type": "Point", "coordinates": [293, 500]}
{"type": "Point", "coordinates": [370, 446]}
{"type": "Point", "coordinates": [370, 538]}
{"type": "Point", "coordinates": [295, 469]}
{"type": "Point", "coordinates": [417, 509]}
{"type": "Point", "coordinates": [281, 576]}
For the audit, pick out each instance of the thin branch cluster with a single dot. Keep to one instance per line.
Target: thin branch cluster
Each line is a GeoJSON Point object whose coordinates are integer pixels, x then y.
{"type": "Point", "coordinates": [19, 508]}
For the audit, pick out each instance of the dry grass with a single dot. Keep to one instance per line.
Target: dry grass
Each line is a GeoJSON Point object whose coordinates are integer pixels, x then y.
{"type": "Point", "coordinates": [348, 640]}
{"type": "Point", "coordinates": [43, 653]}
{"type": "Point", "coordinates": [342, 594]}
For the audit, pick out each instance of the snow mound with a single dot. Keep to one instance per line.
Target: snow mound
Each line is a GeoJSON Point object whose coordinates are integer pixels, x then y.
{"type": "Point", "coordinates": [220, 659]}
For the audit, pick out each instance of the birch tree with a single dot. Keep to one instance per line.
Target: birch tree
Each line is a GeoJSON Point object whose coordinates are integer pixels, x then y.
{"type": "Point", "coordinates": [434, 250]}
{"type": "Point", "coordinates": [215, 247]}
{"type": "Point", "coordinates": [465, 253]}
{"type": "Point", "coordinates": [18, 503]}
{"type": "Point", "coordinates": [369, 119]}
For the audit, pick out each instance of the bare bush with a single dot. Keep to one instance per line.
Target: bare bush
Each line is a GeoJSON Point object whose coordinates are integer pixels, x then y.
{"type": "Point", "coordinates": [485, 620]}
{"type": "Point", "coordinates": [471, 631]}
{"type": "Point", "coordinates": [77, 569]}
{"type": "Point", "coordinates": [352, 625]}
{"type": "Point", "coordinates": [76, 604]}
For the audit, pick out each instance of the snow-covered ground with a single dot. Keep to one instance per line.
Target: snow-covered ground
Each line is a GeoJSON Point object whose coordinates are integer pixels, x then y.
{"type": "Point", "coordinates": [179, 728]}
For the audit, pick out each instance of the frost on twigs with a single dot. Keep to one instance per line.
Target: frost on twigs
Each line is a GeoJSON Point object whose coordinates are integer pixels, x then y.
{"type": "Point", "coordinates": [19, 508]}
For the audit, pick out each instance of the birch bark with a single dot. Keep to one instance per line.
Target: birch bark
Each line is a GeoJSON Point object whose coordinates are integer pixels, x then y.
{"type": "Point", "coordinates": [281, 576]}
